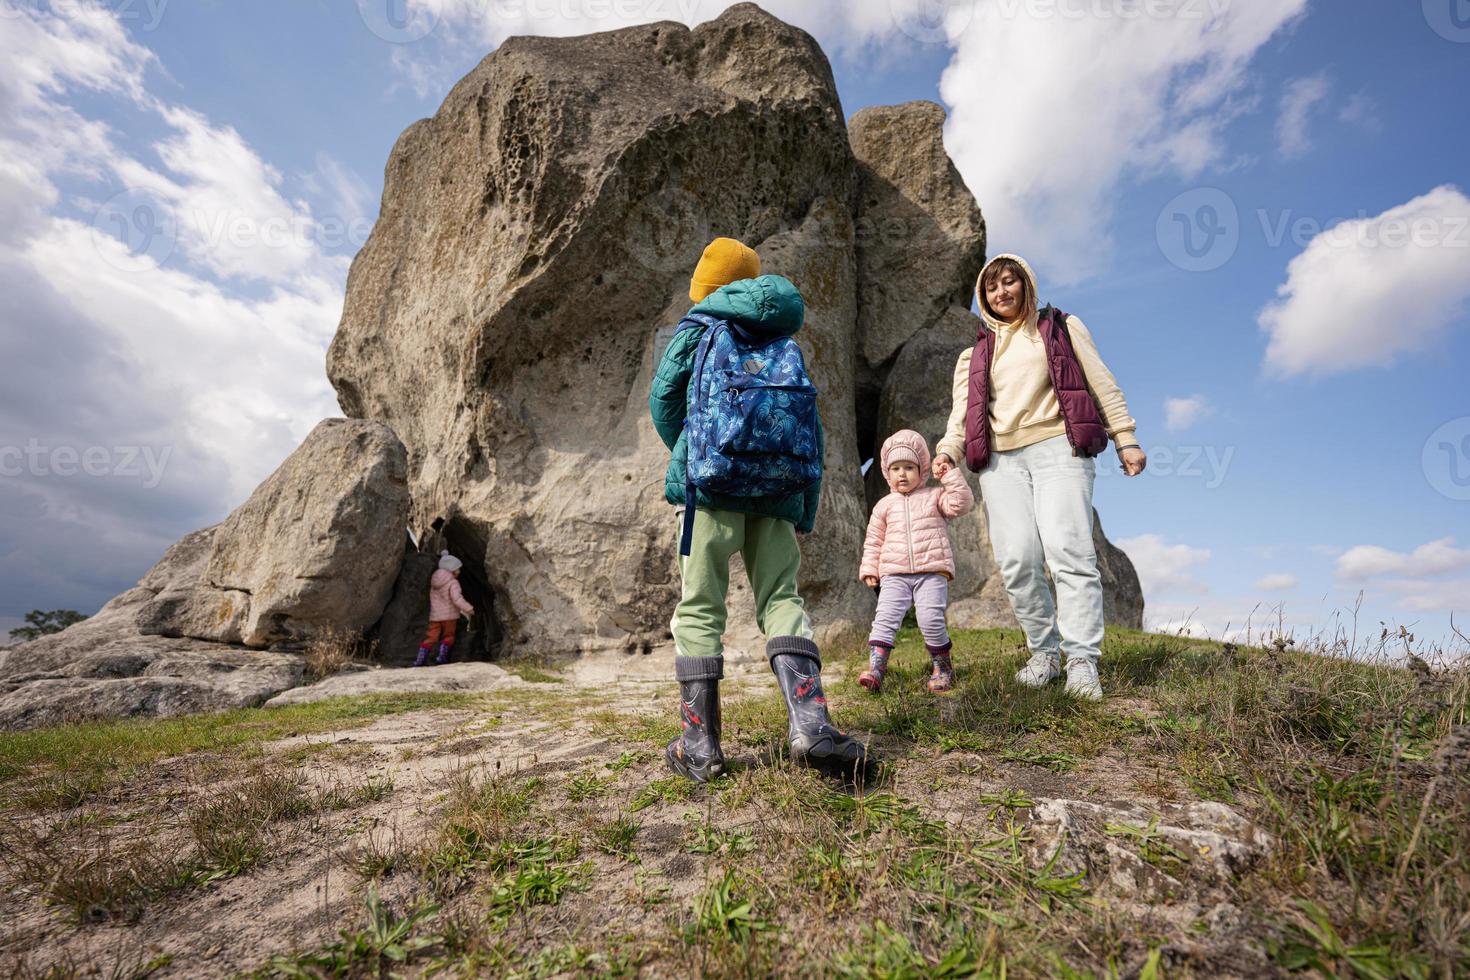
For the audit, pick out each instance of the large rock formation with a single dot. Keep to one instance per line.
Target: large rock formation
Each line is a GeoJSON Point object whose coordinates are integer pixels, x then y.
{"type": "Point", "coordinates": [532, 256]}
{"type": "Point", "coordinates": [317, 546]}
{"type": "Point", "coordinates": [315, 551]}
{"type": "Point", "coordinates": [504, 319]}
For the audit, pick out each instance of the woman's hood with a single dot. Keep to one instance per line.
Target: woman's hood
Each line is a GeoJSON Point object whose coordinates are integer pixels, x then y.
{"type": "Point", "coordinates": [911, 440]}
{"type": "Point", "coordinates": [990, 319]}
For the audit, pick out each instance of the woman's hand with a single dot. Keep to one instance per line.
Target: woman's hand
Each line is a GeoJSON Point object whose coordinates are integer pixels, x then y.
{"type": "Point", "coordinates": [1134, 460]}
{"type": "Point", "coordinates": [871, 581]}
{"type": "Point", "coordinates": [942, 465]}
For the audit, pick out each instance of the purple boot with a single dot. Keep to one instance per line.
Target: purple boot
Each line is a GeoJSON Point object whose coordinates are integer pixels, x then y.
{"type": "Point", "coordinates": [423, 657]}
{"type": "Point", "coordinates": [443, 657]}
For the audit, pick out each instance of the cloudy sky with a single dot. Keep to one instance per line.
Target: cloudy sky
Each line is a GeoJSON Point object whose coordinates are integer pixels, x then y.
{"type": "Point", "coordinates": [1258, 206]}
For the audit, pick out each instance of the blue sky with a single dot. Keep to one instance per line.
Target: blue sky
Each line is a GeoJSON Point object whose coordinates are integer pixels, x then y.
{"type": "Point", "coordinates": [1298, 377]}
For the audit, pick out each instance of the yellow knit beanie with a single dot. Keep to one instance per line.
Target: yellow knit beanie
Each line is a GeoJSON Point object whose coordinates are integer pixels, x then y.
{"type": "Point", "coordinates": [724, 261]}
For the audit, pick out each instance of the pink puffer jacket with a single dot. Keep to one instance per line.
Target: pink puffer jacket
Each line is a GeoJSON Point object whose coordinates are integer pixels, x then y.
{"type": "Point", "coordinates": [907, 533]}
{"type": "Point", "coordinates": [446, 601]}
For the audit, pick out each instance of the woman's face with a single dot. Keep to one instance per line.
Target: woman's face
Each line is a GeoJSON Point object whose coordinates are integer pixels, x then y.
{"type": "Point", "coordinates": [1003, 295]}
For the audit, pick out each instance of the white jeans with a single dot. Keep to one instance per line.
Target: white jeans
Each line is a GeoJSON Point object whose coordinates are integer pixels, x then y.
{"type": "Point", "coordinates": [1039, 503]}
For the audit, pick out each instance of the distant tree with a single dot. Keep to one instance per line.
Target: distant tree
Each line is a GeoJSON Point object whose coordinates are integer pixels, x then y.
{"type": "Point", "coordinates": [46, 623]}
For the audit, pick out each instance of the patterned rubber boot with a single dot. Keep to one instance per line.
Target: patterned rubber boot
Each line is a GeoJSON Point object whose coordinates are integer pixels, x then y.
{"type": "Point", "coordinates": [423, 658]}
{"type": "Point", "coordinates": [696, 753]}
{"type": "Point", "coordinates": [941, 673]}
{"type": "Point", "coordinates": [815, 741]}
{"type": "Point", "coordinates": [443, 657]}
{"type": "Point", "coordinates": [872, 678]}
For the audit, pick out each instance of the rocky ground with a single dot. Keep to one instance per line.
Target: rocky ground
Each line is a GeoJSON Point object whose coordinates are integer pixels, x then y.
{"type": "Point", "coordinates": [1225, 812]}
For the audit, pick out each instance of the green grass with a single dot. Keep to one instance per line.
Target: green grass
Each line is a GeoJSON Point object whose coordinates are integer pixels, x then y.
{"type": "Point", "coordinates": [940, 867]}
{"type": "Point", "coordinates": [79, 761]}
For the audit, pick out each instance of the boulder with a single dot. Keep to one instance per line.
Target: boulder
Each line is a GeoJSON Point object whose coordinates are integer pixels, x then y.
{"type": "Point", "coordinates": [531, 257]}
{"type": "Point", "coordinates": [921, 237]}
{"type": "Point", "coordinates": [105, 668]}
{"type": "Point", "coordinates": [317, 546]}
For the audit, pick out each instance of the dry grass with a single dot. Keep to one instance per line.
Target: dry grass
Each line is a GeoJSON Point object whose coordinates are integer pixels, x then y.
{"type": "Point", "coordinates": [334, 649]}
{"type": "Point", "coordinates": [1358, 772]}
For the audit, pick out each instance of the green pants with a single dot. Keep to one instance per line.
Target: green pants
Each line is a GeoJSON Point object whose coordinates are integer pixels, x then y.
{"type": "Point", "coordinates": [772, 560]}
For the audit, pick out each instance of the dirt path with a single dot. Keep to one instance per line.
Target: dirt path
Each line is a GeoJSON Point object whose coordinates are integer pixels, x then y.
{"type": "Point", "coordinates": [540, 824]}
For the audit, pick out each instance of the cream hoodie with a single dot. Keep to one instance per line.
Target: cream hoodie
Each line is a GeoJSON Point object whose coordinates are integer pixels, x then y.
{"type": "Point", "coordinates": [1023, 405]}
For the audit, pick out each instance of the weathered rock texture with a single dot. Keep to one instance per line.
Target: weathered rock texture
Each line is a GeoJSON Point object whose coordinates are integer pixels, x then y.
{"type": "Point", "coordinates": [532, 255]}
{"type": "Point", "coordinates": [317, 546]}
{"type": "Point", "coordinates": [105, 668]}
{"type": "Point", "coordinates": [316, 549]}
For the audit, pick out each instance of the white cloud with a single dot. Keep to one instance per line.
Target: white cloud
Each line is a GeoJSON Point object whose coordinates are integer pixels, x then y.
{"type": "Point", "coordinates": [1418, 595]}
{"type": "Point", "coordinates": [1181, 413]}
{"type": "Point", "coordinates": [1369, 289]}
{"type": "Point", "coordinates": [1050, 112]}
{"type": "Point", "coordinates": [1278, 582]}
{"type": "Point", "coordinates": [1435, 558]}
{"type": "Point", "coordinates": [1165, 568]}
{"type": "Point", "coordinates": [208, 354]}
{"type": "Point", "coordinates": [1361, 110]}
{"type": "Point", "coordinates": [1298, 99]}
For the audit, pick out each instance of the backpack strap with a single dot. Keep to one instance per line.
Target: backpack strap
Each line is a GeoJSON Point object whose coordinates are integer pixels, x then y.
{"type": "Point", "coordinates": [686, 538]}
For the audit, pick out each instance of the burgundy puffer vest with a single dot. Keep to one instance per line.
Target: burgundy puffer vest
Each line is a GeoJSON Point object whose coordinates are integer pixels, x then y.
{"type": "Point", "coordinates": [1079, 411]}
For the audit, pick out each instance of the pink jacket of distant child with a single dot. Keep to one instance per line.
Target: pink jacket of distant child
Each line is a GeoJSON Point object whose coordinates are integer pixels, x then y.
{"type": "Point", "coordinates": [446, 601]}
{"type": "Point", "coordinates": [907, 533]}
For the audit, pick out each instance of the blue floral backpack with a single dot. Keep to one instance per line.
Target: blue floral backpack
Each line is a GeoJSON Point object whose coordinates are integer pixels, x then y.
{"type": "Point", "coordinates": [752, 418]}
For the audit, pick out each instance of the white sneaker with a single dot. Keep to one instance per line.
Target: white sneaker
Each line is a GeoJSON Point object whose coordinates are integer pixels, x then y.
{"type": "Point", "coordinates": [1039, 671]}
{"type": "Point", "coordinates": [1082, 680]}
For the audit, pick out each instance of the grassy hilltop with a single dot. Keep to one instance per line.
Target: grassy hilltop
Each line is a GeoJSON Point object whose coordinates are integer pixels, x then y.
{"type": "Point", "coordinates": [1226, 811]}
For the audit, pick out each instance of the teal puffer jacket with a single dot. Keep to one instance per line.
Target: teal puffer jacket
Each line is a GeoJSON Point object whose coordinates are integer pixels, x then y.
{"type": "Point", "coordinates": [768, 306]}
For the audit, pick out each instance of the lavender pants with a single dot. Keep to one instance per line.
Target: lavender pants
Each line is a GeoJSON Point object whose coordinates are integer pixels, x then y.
{"type": "Point", "coordinates": [927, 594]}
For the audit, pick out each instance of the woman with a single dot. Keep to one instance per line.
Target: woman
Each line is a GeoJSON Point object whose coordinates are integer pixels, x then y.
{"type": "Point", "coordinates": [1033, 404]}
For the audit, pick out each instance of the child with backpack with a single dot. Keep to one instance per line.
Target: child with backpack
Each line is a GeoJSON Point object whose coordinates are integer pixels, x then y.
{"type": "Point", "coordinates": [446, 602]}
{"type": "Point", "coordinates": [907, 554]}
{"type": "Point", "coordinates": [732, 401]}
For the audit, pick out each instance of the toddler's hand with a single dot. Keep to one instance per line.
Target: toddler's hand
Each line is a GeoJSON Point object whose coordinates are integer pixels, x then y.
{"type": "Point", "coordinates": [942, 465]}
{"type": "Point", "coordinates": [871, 581]}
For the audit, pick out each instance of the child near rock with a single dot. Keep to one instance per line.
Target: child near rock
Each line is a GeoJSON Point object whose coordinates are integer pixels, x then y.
{"type": "Point", "coordinates": [446, 602]}
{"type": "Point", "coordinates": [907, 554]}
{"type": "Point", "coordinates": [732, 298]}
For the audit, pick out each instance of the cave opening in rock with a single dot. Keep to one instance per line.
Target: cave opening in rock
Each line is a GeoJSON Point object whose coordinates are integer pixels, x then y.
{"type": "Point", "coordinates": [484, 635]}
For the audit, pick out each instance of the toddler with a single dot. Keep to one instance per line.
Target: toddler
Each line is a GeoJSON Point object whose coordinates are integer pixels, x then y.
{"type": "Point", "coordinates": [446, 602]}
{"type": "Point", "coordinates": [907, 554]}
